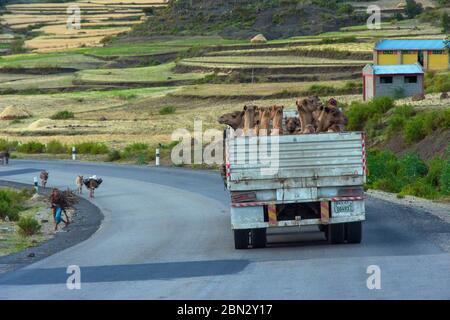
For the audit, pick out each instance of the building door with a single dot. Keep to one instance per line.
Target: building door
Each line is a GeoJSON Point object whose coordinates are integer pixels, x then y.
{"type": "Point", "coordinates": [420, 57]}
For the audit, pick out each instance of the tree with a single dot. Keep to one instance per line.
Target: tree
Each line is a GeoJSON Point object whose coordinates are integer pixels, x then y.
{"type": "Point", "coordinates": [413, 8]}
{"type": "Point", "coordinates": [445, 22]}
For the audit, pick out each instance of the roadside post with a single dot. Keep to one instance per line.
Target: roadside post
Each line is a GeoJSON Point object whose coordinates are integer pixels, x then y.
{"type": "Point", "coordinates": [158, 154]}
{"type": "Point", "coordinates": [74, 153]}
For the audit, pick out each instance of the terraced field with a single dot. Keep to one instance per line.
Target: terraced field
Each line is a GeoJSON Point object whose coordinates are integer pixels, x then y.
{"type": "Point", "coordinates": [49, 22]}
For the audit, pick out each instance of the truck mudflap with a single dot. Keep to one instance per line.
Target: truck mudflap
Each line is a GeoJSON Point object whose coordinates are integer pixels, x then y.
{"type": "Point", "coordinates": [332, 212]}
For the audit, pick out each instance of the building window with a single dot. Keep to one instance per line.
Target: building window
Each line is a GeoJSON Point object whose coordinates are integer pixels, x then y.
{"type": "Point", "coordinates": [408, 52]}
{"type": "Point", "coordinates": [388, 52]}
{"type": "Point", "coordinates": [386, 79]}
{"type": "Point", "coordinates": [438, 51]}
{"type": "Point", "coordinates": [410, 79]}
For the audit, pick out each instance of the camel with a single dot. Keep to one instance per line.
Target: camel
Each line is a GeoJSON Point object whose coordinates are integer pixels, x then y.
{"type": "Point", "coordinates": [250, 120]}
{"type": "Point", "coordinates": [276, 114]}
{"type": "Point", "coordinates": [233, 119]}
{"type": "Point", "coordinates": [293, 126]}
{"type": "Point", "coordinates": [308, 113]}
{"type": "Point", "coordinates": [79, 183]}
{"type": "Point", "coordinates": [331, 119]}
{"type": "Point", "coordinates": [264, 121]}
{"type": "Point", "coordinates": [44, 178]}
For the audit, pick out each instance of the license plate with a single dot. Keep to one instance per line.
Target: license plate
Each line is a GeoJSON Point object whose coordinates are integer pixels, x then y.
{"type": "Point", "coordinates": [343, 208]}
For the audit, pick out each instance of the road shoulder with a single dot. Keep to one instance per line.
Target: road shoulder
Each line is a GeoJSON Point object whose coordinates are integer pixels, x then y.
{"type": "Point", "coordinates": [86, 222]}
{"type": "Point", "coordinates": [438, 209]}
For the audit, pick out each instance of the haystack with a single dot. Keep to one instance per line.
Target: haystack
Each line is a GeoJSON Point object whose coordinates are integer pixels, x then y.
{"type": "Point", "coordinates": [259, 39]}
{"type": "Point", "coordinates": [401, 5]}
{"type": "Point", "coordinates": [41, 124]}
{"type": "Point", "coordinates": [11, 113]}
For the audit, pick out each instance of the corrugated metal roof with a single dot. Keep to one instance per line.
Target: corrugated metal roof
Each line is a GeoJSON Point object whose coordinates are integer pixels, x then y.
{"type": "Point", "coordinates": [398, 69]}
{"type": "Point", "coordinates": [410, 44]}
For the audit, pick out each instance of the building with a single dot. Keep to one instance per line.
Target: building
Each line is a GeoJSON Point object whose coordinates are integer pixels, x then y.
{"type": "Point", "coordinates": [431, 54]}
{"type": "Point", "coordinates": [392, 80]}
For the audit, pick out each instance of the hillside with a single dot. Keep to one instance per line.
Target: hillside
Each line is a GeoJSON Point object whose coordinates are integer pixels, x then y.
{"type": "Point", "coordinates": [243, 19]}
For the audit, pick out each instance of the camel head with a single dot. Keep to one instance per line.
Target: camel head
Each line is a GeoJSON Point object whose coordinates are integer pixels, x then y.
{"type": "Point", "coordinates": [276, 114]}
{"type": "Point", "coordinates": [233, 119]}
{"type": "Point", "coordinates": [292, 125]}
{"type": "Point", "coordinates": [264, 119]}
{"type": "Point", "coordinates": [250, 117]}
{"type": "Point", "coordinates": [331, 119]}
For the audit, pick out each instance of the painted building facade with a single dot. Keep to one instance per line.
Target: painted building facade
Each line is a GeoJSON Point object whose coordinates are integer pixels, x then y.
{"type": "Point", "coordinates": [430, 54]}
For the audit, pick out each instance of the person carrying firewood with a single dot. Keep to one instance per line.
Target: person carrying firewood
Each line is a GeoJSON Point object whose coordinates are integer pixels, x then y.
{"type": "Point", "coordinates": [59, 205]}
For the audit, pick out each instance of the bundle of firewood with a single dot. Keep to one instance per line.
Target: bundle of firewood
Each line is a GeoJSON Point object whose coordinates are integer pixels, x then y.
{"type": "Point", "coordinates": [64, 199]}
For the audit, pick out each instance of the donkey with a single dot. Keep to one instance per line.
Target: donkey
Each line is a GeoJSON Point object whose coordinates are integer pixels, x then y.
{"type": "Point", "coordinates": [79, 183]}
{"type": "Point", "coordinates": [4, 157]}
{"type": "Point", "coordinates": [44, 178]}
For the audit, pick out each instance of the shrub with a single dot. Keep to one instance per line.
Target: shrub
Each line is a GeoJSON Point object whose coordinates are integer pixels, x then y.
{"type": "Point", "coordinates": [91, 148]}
{"type": "Point", "coordinates": [414, 130]}
{"type": "Point", "coordinates": [444, 179]}
{"type": "Point", "coordinates": [114, 155]}
{"type": "Point", "coordinates": [381, 164]}
{"type": "Point", "coordinates": [10, 203]}
{"type": "Point", "coordinates": [63, 115]}
{"type": "Point", "coordinates": [56, 147]}
{"type": "Point", "coordinates": [411, 167]}
{"type": "Point", "coordinates": [28, 226]}
{"type": "Point", "coordinates": [136, 151]}
{"type": "Point", "coordinates": [395, 123]}
{"type": "Point", "coordinates": [8, 145]}
{"type": "Point", "coordinates": [420, 188]}
{"type": "Point", "coordinates": [167, 110]}
{"type": "Point", "coordinates": [17, 46]}
{"type": "Point", "coordinates": [359, 113]}
{"type": "Point", "coordinates": [32, 147]}
{"type": "Point", "coordinates": [435, 169]}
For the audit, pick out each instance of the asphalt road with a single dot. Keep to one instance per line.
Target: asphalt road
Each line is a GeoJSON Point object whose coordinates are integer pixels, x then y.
{"type": "Point", "coordinates": [166, 235]}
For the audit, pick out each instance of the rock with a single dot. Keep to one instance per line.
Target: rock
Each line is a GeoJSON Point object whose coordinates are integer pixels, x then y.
{"type": "Point", "coordinates": [444, 95]}
{"type": "Point", "coordinates": [260, 38]}
{"type": "Point", "coordinates": [44, 221]}
{"type": "Point", "coordinates": [103, 118]}
{"type": "Point", "coordinates": [418, 97]}
{"type": "Point", "coordinates": [31, 255]}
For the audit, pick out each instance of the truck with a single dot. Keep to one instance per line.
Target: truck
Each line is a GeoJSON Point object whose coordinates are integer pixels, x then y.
{"type": "Point", "coordinates": [313, 180]}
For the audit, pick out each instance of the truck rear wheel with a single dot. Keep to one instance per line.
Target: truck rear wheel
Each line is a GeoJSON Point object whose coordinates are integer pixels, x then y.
{"type": "Point", "coordinates": [336, 233]}
{"type": "Point", "coordinates": [354, 232]}
{"type": "Point", "coordinates": [259, 238]}
{"type": "Point", "coordinates": [241, 238]}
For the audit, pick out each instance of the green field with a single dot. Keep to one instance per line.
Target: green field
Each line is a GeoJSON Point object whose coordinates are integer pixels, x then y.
{"type": "Point", "coordinates": [158, 73]}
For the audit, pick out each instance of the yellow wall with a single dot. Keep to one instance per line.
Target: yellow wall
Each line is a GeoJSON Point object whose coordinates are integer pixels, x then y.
{"type": "Point", "coordinates": [437, 61]}
{"type": "Point", "coordinates": [409, 58]}
{"type": "Point", "coordinates": [384, 59]}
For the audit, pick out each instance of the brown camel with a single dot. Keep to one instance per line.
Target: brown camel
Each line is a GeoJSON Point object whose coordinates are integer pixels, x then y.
{"type": "Point", "coordinates": [264, 121]}
{"type": "Point", "coordinates": [233, 119]}
{"type": "Point", "coordinates": [276, 114]}
{"type": "Point", "coordinates": [331, 118]}
{"type": "Point", "coordinates": [308, 115]}
{"type": "Point", "coordinates": [250, 120]}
